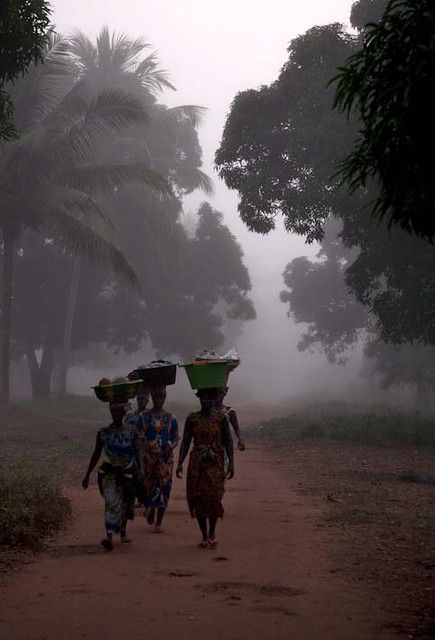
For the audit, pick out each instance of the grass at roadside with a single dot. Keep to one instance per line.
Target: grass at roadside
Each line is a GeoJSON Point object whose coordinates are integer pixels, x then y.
{"type": "Point", "coordinates": [353, 425]}
{"type": "Point", "coordinates": [370, 472]}
{"type": "Point", "coordinates": [32, 505]}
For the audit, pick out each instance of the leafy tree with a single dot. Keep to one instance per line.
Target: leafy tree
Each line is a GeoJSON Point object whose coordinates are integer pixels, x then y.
{"type": "Point", "coordinates": [41, 270]}
{"type": "Point", "coordinates": [366, 12]}
{"type": "Point", "coordinates": [393, 275]}
{"type": "Point", "coordinates": [280, 147]}
{"type": "Point", "coordinates": [23, 38]}
{"type": "Point", "coordinates": [53, 177]}
{"type": "Point", "coordinates": [206, 284]}
{"type": "Point", "coordinates": [280, 142]}
{"type": "Point", "coordinates": [192, 287]}
{"type": "Point", "coordinates": [387, 83]}
{"type": "Point", "coordinates": [403, 365]}
{"type": "Point", "coordinates": [318, 296]}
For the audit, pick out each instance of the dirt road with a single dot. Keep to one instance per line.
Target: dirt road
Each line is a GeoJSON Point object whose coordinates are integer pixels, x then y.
{"type": "Point", "coordinates": [270, 578]}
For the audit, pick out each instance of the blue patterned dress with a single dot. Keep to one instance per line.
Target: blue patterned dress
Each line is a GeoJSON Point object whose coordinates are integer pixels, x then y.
{"type": "Point", "coordinates": [116, 475]}
{"type": "Point", "coordinates": [159, 434]}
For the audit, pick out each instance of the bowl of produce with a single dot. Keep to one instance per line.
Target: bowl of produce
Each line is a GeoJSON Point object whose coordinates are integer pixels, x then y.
{"type": "Point", "coordinates": [117, 390]}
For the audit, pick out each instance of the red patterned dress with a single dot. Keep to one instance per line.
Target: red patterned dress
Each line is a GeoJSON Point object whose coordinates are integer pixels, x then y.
{"type": "Point", "coordinates": [205, 484]}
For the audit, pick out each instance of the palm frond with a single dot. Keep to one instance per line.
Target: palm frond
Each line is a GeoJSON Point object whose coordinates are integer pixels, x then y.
{"type": "Point", "coordinates": [29, 149]}
{"type": "Point", "coordinates": [103, 179]}
{"type": "Point", "coordinates": [81, 204]}
{"type": "Point", "coordinates": [111, 111]}
{"type": "Point", "coordinates": [83, 49]}
{"type": "Point", "coordinates": [81, 238]}
{"type": "Point", "coordinates": [124, 51]}
{"type": "Point", "coordinates": [203, 182]}
{"type": "Point", "coordinates": [191, 112]}
{"type": "Point", "coordinates": [56, 78]}
{"type": "Point", "coordinates": [44, 85]}
{"type": "Point", "coordinates": [151, 77]}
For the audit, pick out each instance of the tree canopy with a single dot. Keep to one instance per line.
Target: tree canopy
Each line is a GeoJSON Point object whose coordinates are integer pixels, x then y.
{"type": "Point", "coordinates": [23, 38]}
{"type": "Point", "coordinates": [94, 133]}
{"type": "Point", "coordinates": [387, 84]}
{"type": "Point", "coordinates": [276, 147]}
{"type": "Point", "coordinates": [281, 150]}
{"type": "Point", "coordinates": [318, 294]}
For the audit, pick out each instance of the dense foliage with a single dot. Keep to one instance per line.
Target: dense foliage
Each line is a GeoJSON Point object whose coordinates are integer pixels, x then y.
{"type": "Point", "coordinates": [108, 166]}
{"type": "Point", "coordinates": [23, 37]}
{"type": "Point", "coordinates": [387, 83]}
{"type": "Point", "coordinates": [281, 150]}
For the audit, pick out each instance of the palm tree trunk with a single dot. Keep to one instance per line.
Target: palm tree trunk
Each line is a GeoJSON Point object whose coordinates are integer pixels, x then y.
{"type": "Point", "coordinates": [69, 322]}
{"type": "Point", "coordinates": [9, 238]}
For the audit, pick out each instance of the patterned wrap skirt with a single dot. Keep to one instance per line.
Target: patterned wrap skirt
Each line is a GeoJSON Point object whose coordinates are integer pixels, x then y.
{"type": "Point", "coordinates": [205, 483]}
{"type": "Point", "coordinates": [117, 486]}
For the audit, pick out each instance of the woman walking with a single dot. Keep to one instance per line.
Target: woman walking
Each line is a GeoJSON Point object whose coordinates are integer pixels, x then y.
{"type": "Point", "coordinates": [231, 415]}
{"type": "Point", "coordinates": [158, 432]}
{"type": "Point", "coordinates": [210, 432]}
{"type": "Point", "coordinates": [116, 476]}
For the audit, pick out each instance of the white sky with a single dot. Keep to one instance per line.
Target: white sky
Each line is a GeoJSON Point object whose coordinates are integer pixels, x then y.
{"type": "Point", "coordinates": [213, 50]}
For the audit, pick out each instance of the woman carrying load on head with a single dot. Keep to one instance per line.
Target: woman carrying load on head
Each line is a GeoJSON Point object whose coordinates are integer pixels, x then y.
{"type": "Point", "coordinates": [142, 399]}
{"type": "Point", "coordinates": [205, 485]}
{"type": "Point", "coordinates": [116, 476]}
{"type": "Point", "coordinates": [158, 432]}
{"type": "Point", "coordinates": [231, 415]}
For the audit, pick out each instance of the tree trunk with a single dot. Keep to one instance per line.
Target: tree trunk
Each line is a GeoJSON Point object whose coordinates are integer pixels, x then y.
{"type": "Point", "coordinates": [41, 374]}
{"type": "Point", "coordinates": [65, 349]}
{"type": "Point", "coordinates": [6, 313]}
{"type": "Point", "coordinates": [32, 363]}
{"type": "Point", "coordinates": [46, 371]}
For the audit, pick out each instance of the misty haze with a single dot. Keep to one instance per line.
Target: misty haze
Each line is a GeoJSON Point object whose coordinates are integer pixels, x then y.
{"type": "Point", "coordinates": [217, 297]}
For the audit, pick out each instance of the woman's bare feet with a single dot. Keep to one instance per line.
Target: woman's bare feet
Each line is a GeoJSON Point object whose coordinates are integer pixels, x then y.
{"type": "Point", "coordinates": [107, 544]}
{"type": "Point", "coordinates": [151, 514]}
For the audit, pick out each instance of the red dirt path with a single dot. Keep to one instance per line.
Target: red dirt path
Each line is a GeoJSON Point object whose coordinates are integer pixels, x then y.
{"type": "Point", "coordinates": [275, 582]}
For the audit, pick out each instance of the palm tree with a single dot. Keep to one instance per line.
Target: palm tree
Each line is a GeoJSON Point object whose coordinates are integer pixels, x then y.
{"type": "Point", "coordinates": [52, 178]}
{"type": "Point", "coordinates": [116, 61]}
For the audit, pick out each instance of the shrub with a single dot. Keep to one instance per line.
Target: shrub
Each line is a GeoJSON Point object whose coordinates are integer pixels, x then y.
{"type": "Point", "coordinates": [32, 505]}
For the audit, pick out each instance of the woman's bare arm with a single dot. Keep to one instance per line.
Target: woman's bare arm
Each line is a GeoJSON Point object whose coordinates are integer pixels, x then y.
{"type": "Point", "coordinates": [185, 446]}
{"type": "Point", "coordinates": [227, 441]}
{"type": "Point", "coordinates": [93, 461]}
{"type": "Point", "coordinates": [235, 425]}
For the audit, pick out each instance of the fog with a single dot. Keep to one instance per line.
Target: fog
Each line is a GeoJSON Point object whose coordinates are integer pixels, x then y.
{"type": "Point", "coordinates": [213, 51]}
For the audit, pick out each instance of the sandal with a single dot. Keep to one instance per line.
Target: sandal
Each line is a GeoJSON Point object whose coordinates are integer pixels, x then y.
{"type": "Point", "coordinates": [203, 544]}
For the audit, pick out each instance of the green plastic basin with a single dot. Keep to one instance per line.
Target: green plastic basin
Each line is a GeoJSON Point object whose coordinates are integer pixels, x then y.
{"type": "Point", "coordinates": [207, 376]}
